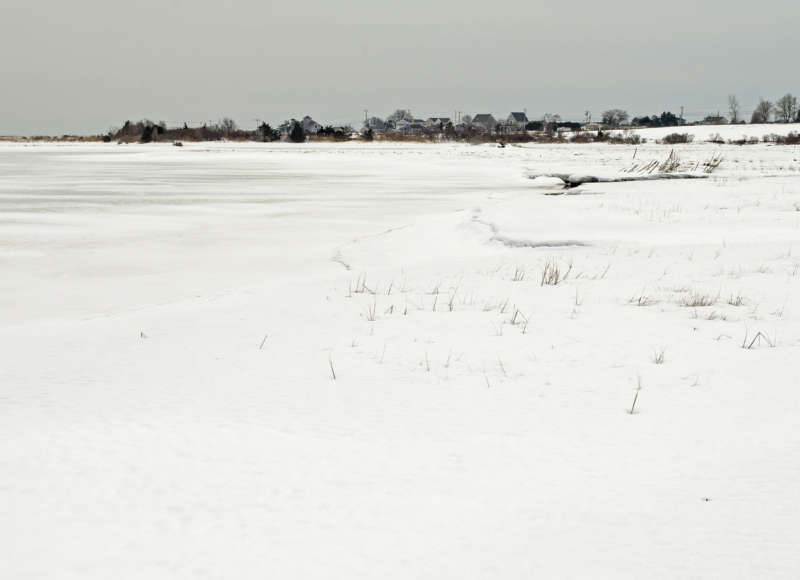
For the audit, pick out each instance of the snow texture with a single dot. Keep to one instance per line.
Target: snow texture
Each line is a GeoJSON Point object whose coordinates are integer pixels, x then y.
{"type": "Point", "coordinates": [172, 319]}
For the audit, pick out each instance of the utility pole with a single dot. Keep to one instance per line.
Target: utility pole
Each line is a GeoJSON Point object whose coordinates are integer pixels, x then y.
{"type": "Point", "coordinates": [681, 114]}
{"type": "Point", "coordinates": [366, 114]}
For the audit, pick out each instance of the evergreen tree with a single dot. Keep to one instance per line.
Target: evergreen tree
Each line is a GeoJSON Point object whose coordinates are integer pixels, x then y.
{"type": "Point", "coordinates": [297, 134]}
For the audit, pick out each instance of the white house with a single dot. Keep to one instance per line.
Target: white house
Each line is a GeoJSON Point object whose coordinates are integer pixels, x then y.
{"type": "Point", "coordinates": [436, 122]}
{"type": "Point", "coordinates": [517, 121]}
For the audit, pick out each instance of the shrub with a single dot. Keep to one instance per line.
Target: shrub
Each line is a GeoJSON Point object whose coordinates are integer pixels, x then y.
{"type": "Point", "coordinates": [626, 138]}
{"type": "Point", "coordinates": [332, 133]}
{"type": "Point", "coordinates": [676, 138]}
{"type": "Point", "coordinates": [267, 133]}
{"type": "Point", "coordinates": [745, 140]}
{"type": "Point", "coordinates": [792, 138]}
{"type": "Point", "coordinates": [582, 138]}
{"type": "Point", "coordinates": [147, 134]}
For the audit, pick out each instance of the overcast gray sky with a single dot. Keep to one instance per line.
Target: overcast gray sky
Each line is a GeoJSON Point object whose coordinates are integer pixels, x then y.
{"type": "Point", "coordinates": [84, 65]}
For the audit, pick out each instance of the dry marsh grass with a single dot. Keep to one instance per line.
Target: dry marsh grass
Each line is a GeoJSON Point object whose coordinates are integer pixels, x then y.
{"type": "Point", "coordinates": [759, 339]}
{"type": "Point", "coordinates": [552, 274]}
{"type": "Point", "coordinates": [696, 299]}
{"type": "Point", "coordinates": [736, 300]}
{"type": "Point", "coordinates": [642, 300]}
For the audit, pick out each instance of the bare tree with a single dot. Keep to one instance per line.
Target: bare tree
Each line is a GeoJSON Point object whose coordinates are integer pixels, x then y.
{"type": "Point", "coordinates": [615, 117]}
{"type": "Point", "coordinates": [375, 123]}
{"type": "Point", "coordinates": [550, 122]}
{"type": "Point", "coordinates": [227, 126]}
{"type": "Point", "coordinates": [786, 108]}
{"type": "Point", "coordinates": [733, 108]}
{"type": "Point", "coordinates": [400, 115]}
{"type": "Point", "coordinates": [762, 112]}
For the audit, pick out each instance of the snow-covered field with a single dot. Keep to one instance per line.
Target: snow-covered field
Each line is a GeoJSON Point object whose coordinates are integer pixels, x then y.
{"type": "Point", "coordinates": [727, 132]}
{"type": "Point", "coordinates": [172, 317]}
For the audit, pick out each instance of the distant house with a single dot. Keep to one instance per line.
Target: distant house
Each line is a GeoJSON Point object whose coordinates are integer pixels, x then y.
{"type": "Point", "coordinates": [485, 121]}
{"type": "Point", "coordinates": [310, 125]}
{"type": "Point", "coordinates": [714, 120]}
{"type": "Point", "coordinates": [409, 127]}
{"type": "Point", "coordinates": [517, 121]}
{"type": "Point", "coordinates": [417, 127]}
{"type": "Point", "coordinates": [436, 122]}
{"type": "Point", "coordinates": [376, 124]}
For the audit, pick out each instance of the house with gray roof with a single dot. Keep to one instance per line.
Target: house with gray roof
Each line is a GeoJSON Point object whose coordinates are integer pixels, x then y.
{"type": "Point", "coordinates": [485, 121]}
{"type": "Point", "coordinates": [517, 121]}
{"type": "Point", "coordinates": [310, 125]}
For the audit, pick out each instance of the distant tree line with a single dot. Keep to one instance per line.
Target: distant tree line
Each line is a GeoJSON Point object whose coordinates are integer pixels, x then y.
{"type": "Point", "coordinates": [402, 125]}
{"type": "Point", "coordinates": [147, 131]}
{"type": "Point", "coordinates": [665, 119]}
{"type": "Point", "coordinates": [784, 110]}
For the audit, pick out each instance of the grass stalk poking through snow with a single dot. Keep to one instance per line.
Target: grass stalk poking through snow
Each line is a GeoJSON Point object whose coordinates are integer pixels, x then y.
{"type": "Point", "coordinates": [551, 273]}
{"type": "Point", "coordinates": [757, 340]}
{"type": "Point", "coordinates": [695, 299]}
{"type": "Point", "coordinates": [736, 300]}
{"type": "Point", "coordinates": [636, 395]}
{"type": "Point", "coordinates": [330, 363]}
{"type": "Point", "coordinates": [371, 312]}
{"type": "Point", "coordinates": [502, 366]}
{"type": "Point", "coordinates": [361, 286]}
{"type": "Point", "coordinates": [670, 164]}
{"type": "Point", "coordinates": [642, 300]}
